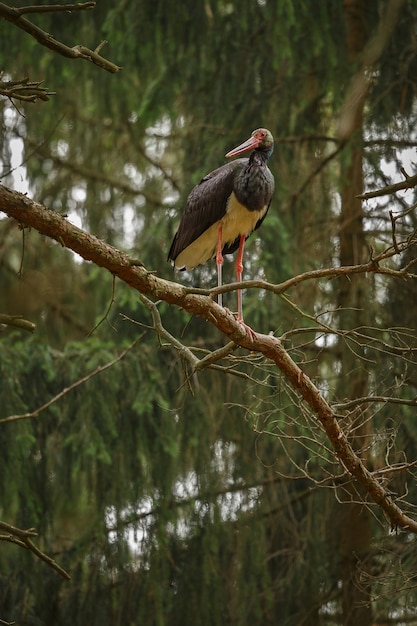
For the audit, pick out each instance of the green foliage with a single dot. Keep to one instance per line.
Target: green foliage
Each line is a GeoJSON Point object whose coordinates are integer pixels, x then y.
{"type": "Point", "coordinates": [173, 498]}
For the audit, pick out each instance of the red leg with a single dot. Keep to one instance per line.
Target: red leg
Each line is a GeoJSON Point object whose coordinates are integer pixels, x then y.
{"type": "Point", "coordinates": [219, 263]}
{"type": "Point", "coordinates": [239, 271]}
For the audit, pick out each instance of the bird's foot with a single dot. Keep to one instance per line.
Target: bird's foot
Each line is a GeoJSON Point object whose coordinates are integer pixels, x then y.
{"type": "Point", "coordinates": [251, 333]}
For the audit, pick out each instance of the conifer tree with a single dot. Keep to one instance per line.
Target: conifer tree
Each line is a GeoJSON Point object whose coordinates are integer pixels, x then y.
{"type": "Point", "coordinates": [178, 472]}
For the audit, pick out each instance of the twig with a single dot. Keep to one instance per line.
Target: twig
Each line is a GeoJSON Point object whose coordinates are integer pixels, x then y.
{"type": "Point", "coordinates": [17, 321]}
{"type": "Point", "coordinates": [23, 538]}
{"type": "Point", "coordinates": [394, 219]}
{"type": "Point", "coordinates": [44, 557]}
{"type": "Point", "coordinates": [36, 146]}
{"type": "Point", "coordinates": [22, 258]}
{"type": "Point", "coordinates": [373, 266]}
{"type": "Point", "coordinates": [107, 313]}
{"type": "Point", "coordinates": [374, 399]}
{"type": "Point", "coordinates": [61, 394]}
{"type": "Point", "coordinates": [209, 361]}
{"type": "Point", "coordinates": [49, 8]}
{"type": "Point", "coordinates": [316, 171]}
{"type": "Point", "coordinates": [18, 532]}
{"type": "Point", "coordinates": [393, 228]}
{"type": "Point", "coordinates": [25, 90]}
{"type": "Point", "coordinates": [82, 170]}
{"type": "Point", "coordinates": [206, 496]}
{"type": "Point", "coordinates": [408, 183]}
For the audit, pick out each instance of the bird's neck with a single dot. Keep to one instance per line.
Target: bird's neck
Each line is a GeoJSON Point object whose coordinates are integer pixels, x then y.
{"type": "Point", "coordinates": [259, 157]}
{"type": "Point", "coordinates": [254, 182]}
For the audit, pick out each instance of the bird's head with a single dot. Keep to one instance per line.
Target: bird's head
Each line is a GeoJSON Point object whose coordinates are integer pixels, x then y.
{"type": "Point", "coordinates": [261, 139]}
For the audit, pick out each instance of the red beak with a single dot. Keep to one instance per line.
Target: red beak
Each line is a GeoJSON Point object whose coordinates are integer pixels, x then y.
{"type": "Point", "coordinates": [249, 144]}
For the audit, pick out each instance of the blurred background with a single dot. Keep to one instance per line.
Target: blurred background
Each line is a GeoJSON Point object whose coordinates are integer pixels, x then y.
{"type": "Point", "coordinates": [173, 498]}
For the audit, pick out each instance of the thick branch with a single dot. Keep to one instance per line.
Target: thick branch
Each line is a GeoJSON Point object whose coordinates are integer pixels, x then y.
{"type": "Point", "coordinates": [53, 225]}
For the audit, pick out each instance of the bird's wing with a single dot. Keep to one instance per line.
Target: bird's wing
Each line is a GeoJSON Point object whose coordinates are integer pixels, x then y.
{"type": "Point", "coordinates": [205, 206]}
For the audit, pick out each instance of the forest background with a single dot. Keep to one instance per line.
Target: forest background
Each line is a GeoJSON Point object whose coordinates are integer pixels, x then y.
{"type": "Point", "coordinates": [176, 471]}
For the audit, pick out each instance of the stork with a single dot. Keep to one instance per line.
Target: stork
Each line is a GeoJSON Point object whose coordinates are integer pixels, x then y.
{"type": "Point", "coordinates": [224, 208]}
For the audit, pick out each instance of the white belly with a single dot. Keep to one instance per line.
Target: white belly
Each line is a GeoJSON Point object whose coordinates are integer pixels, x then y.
{"type": "Point", "coordinates": [236, 221]}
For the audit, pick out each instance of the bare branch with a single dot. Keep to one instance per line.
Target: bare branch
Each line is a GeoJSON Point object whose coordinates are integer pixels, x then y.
{"type": "Point", "coordinates": [83, 171]}
{"type": "Point", "coordinates": [107, 313]}
{"type": "Point", "coordinates": [46, 39]}
{"type": "Point", "coordinates": [197, 364]}
{"type": "Point", "coordinates": [17, 321]}
{"type": "Point", "coordinates": [323, 163]}
{"type": "Point", "coordinates": [25, 90]}
{"type": "Point", "coordinates": [408, 183]}
{"type": "Point", "coordinates": [89, 247]}
{"type": "Point", "coordinates": [23, 539]}
{"type": "Point", "coordinates": [372, 266]}
{"type": "Point", "coordinates": [61, 394]}
{"type": "Point", "coordinates": [374, 399]}
{"type": "Point", "coordinates": [54, 8]}
{"type": "Point", "coordinates": [18, 532]}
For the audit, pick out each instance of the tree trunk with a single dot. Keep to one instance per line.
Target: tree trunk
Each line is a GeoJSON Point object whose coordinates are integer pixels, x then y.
{"type": "Point", "coordinates": [355, 527]}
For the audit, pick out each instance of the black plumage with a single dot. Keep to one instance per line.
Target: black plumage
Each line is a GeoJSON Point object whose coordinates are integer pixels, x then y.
{"type": "Point", "coordinates": [225, 207]}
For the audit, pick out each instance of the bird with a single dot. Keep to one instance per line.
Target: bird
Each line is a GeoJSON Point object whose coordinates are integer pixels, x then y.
{"type": "Point", "coordinates": [224, 208]}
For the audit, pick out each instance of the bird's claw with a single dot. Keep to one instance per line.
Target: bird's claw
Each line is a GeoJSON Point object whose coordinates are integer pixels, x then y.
{"type": "Point", "coordinates": [251, 333]}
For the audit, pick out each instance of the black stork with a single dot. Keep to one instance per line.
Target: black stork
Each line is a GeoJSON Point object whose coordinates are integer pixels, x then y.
{"type": "Point", "coordinates": [224, 208]}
